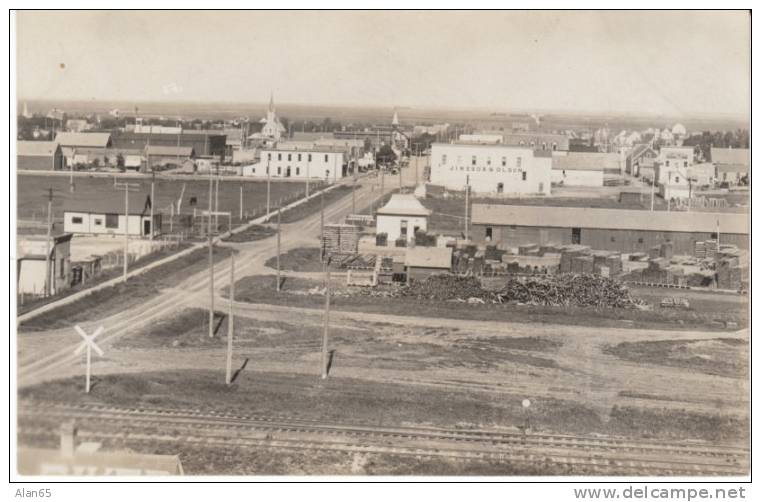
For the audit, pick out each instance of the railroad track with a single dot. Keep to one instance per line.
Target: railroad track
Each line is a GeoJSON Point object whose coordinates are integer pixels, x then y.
{"type": "Point", "coordinates": [253, 430]}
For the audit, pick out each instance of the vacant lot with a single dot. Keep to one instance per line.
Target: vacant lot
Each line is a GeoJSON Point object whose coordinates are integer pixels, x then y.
{"type": "Point", "coordinates": [312, 206]}
{"type": "Point", "coordinates": [32, 194]}
{"type": "Point", "coordinates": [717, 356]}
{"type": "Point", "coordinates": [253, 233]}
{"type": "Point", "coordinates": [114, 299]}
{"type": "Point", "coordinates": [308, 293]}
{"type": "Point", "coordinates": [298, 260]}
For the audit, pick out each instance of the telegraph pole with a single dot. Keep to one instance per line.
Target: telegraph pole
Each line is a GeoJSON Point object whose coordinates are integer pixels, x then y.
{"type": "Point", "coordinates": [277, 285]}
{"type": "Point", "coordinates": [353, 196]}
{"type": "Point", "coordinates": [240, 205]}
{"type": "Point", "coordinates": [47, 242]}
{"type": "Point", "coordinates": [71, 172]}
{"type": "Point", "coordinates": [153, 182]}
{"type": "Point", "coordinates": [268, 190]}
{"type": "Point", "coordinates": [216, 201]}
{"type": "Point", "coordinates": [383, 174]}
{"type": "Point", "coordinates": [309, 162]}
{"type": "Point", "coordinates": [128, 187]}
{"type": "Point", "coordinates": [230, 321]}
{"type": "Point", "coordinates": [467, 200]}
{"type": "Point", "coordinates": [211, 261]}
{"type": "Point", "coordinates": [324, 358]}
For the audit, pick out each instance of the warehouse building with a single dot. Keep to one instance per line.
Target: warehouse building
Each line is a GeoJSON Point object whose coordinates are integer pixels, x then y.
{"type": "Point", "coordinates": [606, 229]}
{"type": "Point", "coordinates": [491, 169]}
{"type": "Point", "coordinates": [732, 164]}
{"type": "Point", "coordinates": [39, 156]}
{"type": "Point", "coordinates": [163, 157]}
{"type": "Point", "coordinates": [207, 143]}
{"type": "Point", "coordinates": [584, 168]}
{"type": "Point", "coordinates": [72, 143]}
{"type": "Point", "coordinates": [106, 216]}
{"type": "Point", "coordinates": [298, 160]}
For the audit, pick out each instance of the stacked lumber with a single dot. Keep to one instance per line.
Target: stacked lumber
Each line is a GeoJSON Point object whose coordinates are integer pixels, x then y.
{"type": "Point", "coordinates": [728, 274]}
{"type": "Point", "coordinates": [528, 250]}
{"type": "Point", "coordinates": [582, 264]}
{"type": "Point", "coordinates": [712, 248]}
{"type": "Point", "coordinates": [340, 240]}
{"type": "Point", "coordinates": [568, 253]}
{"type": "Point", "coordinates": [700, 250]}
{"type": "Point", "coordinates": [549, 249]}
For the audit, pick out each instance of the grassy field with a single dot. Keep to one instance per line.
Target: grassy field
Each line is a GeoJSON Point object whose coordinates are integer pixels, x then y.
{"type": "Point", "coordinates": [717, 356]}
{"type": "Point", "coordinates": [32, 194]}
{"type": "Point", "coordinates": [298, 260]}
{"type": "Point", "coordinates": [253, 233]}
{"type": "Point", "coordinates": [114, 299]}
{"type": "Point", "coordinates": [260, 289]}
{"type": "Point", "coordinates": [312, 206]}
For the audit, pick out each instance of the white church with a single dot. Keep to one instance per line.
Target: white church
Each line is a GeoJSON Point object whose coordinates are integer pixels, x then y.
{"type": "Point", "coordinates": [272, 128]}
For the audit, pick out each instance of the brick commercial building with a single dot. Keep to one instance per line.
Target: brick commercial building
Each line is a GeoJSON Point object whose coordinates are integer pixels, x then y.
{"type": "Point", "coordinates": [621, 230]}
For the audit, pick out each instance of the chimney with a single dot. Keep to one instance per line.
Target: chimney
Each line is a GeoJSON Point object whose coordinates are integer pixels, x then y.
{"type": "Point", "coordinates": [68, 439]}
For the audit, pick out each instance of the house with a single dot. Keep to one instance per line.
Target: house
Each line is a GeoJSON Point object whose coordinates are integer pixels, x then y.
{"type": "Point", "coordinates": [623, 230]}
{"type": "Point", "coordinates": [88, 459]}
{"type": "Point", "coordinates": [106, 216]}
{"type": "Point", "coordinates": [78, 125]}
{"type": "Point", "coordinates": [401, 217]}
{"type": "Point", "coordinates": [162, 157]}
{"type": "Point", "coordinates": [421, 262]}
{"type": "Point", "coordinates": [491, 169]}
{"type": "Point", "coordinates": [39, 156]}
{"type": "Point", "coordinates": [732, 165]}
{"type": "Point", "coordinates": [641, 155]}
{"type": "Point", "coordinates": [33, 258]}
{"type": "Point", "coordinates": [673, 158]}
{"type": "Point", "coordinates": [584, 168]}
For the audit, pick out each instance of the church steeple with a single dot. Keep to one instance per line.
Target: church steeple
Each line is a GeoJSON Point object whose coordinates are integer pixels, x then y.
{"type": "Point", "coordinates": [395, 120]}
{"type": "Point", "coordinates": [272, 102]}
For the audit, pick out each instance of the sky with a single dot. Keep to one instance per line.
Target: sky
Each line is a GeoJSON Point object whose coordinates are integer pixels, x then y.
{"type": "Point", "coordinates": [667, 63]}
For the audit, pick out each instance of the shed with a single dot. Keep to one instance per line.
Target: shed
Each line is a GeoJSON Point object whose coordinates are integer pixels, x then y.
{"type": "Point", "coordinates": [402, 216]}
{"type": "Point", "coordinates": [421, 262]}
{"type": "Point", "coordinates": [106, 215]}
{"type": "Point", "coordinates": [39, 156]}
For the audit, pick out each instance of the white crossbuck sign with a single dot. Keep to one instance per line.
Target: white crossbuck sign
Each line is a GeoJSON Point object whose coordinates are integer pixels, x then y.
{"type": "Point", "coordinates": [88, 344]}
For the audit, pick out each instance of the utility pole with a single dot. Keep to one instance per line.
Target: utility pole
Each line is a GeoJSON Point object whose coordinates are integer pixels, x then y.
{"type": "Point", "coordinates": [467, 201]}
{"type": "Point", "coordinates": [324, 357]}
{"type": "Point", "coordinates": [322, 223]}
{"type": "Point", "coordinates": [240, 203]}
{"type": "Point", "coordinates": [652, 195]}
{"type": "Point", "coordinates": [277, 285]}
{"type": "Point", "coordinates": [47, 243]}
{"type": "Point", "coordinates": [216, 202]}
{"type": "Point", "coordinates": [268, 190]}
{"type": "Point", "coordinates": [230, 321]}
{"type": "Point", "coordinates": [128, 187]}
{"type": "Point", "coordinates": [383, 174]}
{"type": "Point", "coordinates": [71, 172]}
{"type": "Point", "coordinates": [211, 261]}
{"type": "Point", "coordinates": [153, 182]}
{"type": "Point", "coordinates": [353, 196]}
{"type": "Point", "coordinates": [309, 162]}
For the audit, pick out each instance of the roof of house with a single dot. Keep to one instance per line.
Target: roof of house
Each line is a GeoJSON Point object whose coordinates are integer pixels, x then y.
{"type": "Point", "coordinates": [586, 161]}
{"type": "Point", "coordinates": [139, 203]}
{"type": "Point", "coordinates": [171, 151]}
{"type": "Point", "coordinates": [429, 257]}
{"type": "Point", "coordinates": [404, 205]}
{"type": "Point", "coordinates": [730, 156]}
{"type": "Point", "coordinates": [36, 148]}
{"type": "Point", "coordinates": [615, 219]}
{"type": "Point", "coordinates": [93, 139]}
{"type": "Point", "coordinates": [640, 150]}
{"type": "Point", "coordinates": [30, 460]}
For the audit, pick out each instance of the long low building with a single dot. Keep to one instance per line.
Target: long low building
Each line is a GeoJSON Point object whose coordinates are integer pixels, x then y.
{"type": "Point", "coordinates": [491, 169]}
{"type": "Point", "coordinates": [606, 229]}
{"type": "Point", "coordinates": [105, 216]}
{"type": "Point", "coordinates": [584, 168]}
{"type": "Point", "coordinates": [39, 155]}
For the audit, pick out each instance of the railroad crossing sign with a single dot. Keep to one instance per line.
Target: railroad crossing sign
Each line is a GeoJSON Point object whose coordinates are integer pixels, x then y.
{"type": "Point", "coordinates": [88, 344]}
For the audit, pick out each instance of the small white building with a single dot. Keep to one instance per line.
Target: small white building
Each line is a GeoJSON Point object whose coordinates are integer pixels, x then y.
{"type": "Point", "coordinates": [107, 216]}
{"type": "Point", "coordinates": [286, 160]}
{"type": "Point", "coordinates": [491, 169]}
{"type": "Point", "coordinates": [584, 168]}
{"type": "Point", "coordinates": [674, 157]}
{"type": "Point", "coordinates": [32, 262]}
{"type": "Point", "coordinates": [402, 216]}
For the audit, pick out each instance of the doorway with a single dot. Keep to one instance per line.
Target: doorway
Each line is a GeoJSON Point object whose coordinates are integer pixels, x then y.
{"type": "Point", "coordinates": [146, 227]}
{"type": "Point", "coordinates": [575, 236]}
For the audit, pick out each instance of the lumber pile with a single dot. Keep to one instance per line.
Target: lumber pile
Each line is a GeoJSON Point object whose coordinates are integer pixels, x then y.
{"type": "Point", "coordinates": [445, 287]}
{"type": "Point", "coordinates": [568, 253]}
{"type": "Point", "coordinates": [728, 274]}
{"type": "Point", "coordinates": [340, 240]}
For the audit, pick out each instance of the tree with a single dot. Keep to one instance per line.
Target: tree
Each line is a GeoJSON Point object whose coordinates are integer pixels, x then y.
{"type": "Point", "coordinates": [385, 155]}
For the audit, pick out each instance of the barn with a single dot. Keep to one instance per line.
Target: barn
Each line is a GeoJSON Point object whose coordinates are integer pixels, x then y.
{"type": "Point", "coordinates": [39, 156]}
{"type": "Point", "coordinates": [623, 230]}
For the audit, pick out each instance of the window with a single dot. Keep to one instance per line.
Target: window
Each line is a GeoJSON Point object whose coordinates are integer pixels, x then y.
{"type": "Point", "coordinates": [554, 146]}
{"type": "Point", "coordinates": [112, 220]}
{"type": "Point", "coordinates": [443, 160]}
{"type": "Point", "coordinates": [279, 170]}
{"type": "Point", "coordinates": [269, 156]}
{"type": "Point", "coordinates": [488, 233]}
{"type": "Point", "coordinates": [612, 239]}
{"type": "Point", "coordinates": [488, 161]}
{"type": "Point", "coordinates": [299, 157]}
{"type": "Point", "coordinates": [403, 229]}
{"type": "Point", "coordinates": [289, 157]}
{"type": "Point", "coordinates": [714, 235]}
{"type": "Point", "coordinates": [98, 222]}
{"type": "Point", "coordinates": [309, 157]}
{"type": "Point", "coordinates": [676, 179]}
{"type": "Point", "coordinates": [77, 220]}
{"type": "Point", "coordinates": [518, 162]}
{"type": "Point", "coordinates": [685, 163]}
{"type": "Point", "coordinates": [500, 187]}
{"type": "Point", "coordinates": [288, 172]}
{"type": "Point", "coordinates": [279, 156]}
{"type": "Point", "coordinates": [62, 270]}
{"type": "Point", "coordinates": [326, 157]}
{"type": "Point", "coordinates": [298, 170]}
{"type": "Point", "coordinates": [473, 160]}
{"type": "Point", "coordinates": [575, 236]}
{"type": "Point", "coordinates": [523, 175]}
{"type": "Point", "coordinates": [640, 240]}
{"type": "Point", "coordinates": [667, 163]}
{"type": "Point", "coordinates": [544, 146]}
{"type": "Point", "coordinates": [504, 161]}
